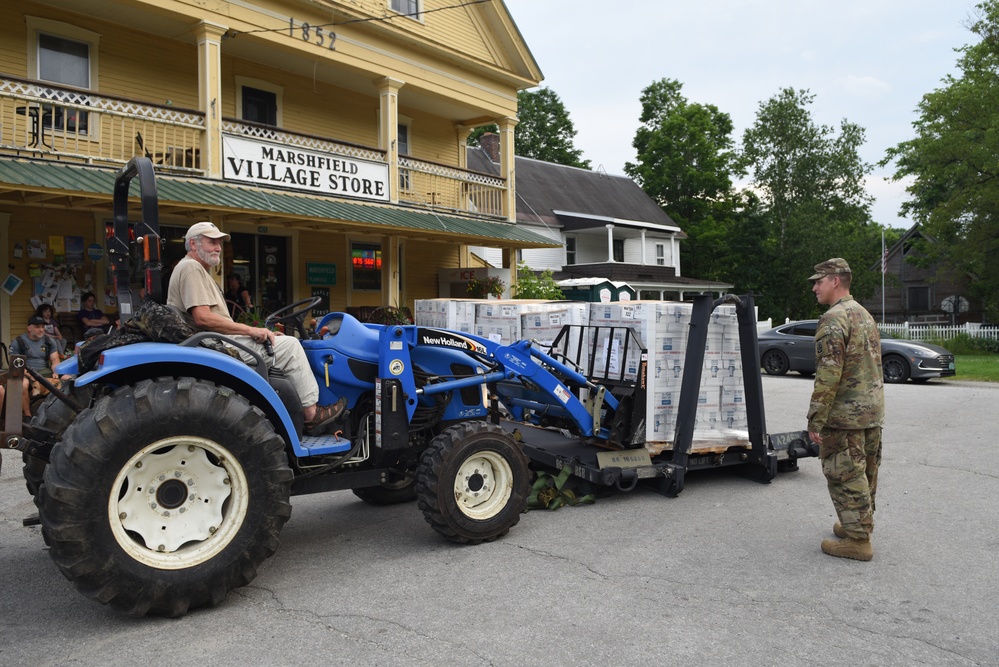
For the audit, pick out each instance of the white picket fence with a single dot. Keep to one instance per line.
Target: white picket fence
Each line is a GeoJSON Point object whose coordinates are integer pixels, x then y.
{"type": "Point", "coordinates": [917, 331]}
{"type": "Point", "coordinates": [936, 332]}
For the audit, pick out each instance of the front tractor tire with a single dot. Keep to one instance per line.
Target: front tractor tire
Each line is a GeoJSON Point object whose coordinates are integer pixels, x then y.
{"type": "Point", "coordinates": [164, 496]}
{"type": "Point", "coordinates": [472, 483]}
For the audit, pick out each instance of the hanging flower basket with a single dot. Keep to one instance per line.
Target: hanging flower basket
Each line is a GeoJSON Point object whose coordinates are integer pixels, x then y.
{"type": "Point", "coordinates": [491, 286]}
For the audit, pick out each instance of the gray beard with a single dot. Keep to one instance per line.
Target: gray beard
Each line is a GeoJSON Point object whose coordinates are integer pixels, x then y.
{"type": "Point", "coordinates": [207, 258]}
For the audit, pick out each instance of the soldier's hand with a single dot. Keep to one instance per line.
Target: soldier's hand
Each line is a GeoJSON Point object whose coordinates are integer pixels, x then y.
{"type": "Point", "coordinates": [815, 437]}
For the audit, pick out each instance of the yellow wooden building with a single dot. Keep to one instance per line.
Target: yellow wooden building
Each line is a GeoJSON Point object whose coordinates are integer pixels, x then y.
{"type": "Point", "coordinates": [327, 137]}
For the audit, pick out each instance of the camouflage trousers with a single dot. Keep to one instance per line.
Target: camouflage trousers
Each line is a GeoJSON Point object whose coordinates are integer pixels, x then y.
{"type": "Point", "coordinates": [850, 462]}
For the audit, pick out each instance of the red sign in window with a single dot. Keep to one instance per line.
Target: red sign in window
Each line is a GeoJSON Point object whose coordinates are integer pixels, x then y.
{"type": "Point", "coordinates": [367, 259]}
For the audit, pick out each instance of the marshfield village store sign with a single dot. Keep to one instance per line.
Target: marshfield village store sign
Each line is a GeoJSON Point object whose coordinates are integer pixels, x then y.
{"type": "Point", "coordinates": [278, 165]}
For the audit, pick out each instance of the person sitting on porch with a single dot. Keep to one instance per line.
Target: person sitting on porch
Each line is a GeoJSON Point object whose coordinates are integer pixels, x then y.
{"type": "Point", "coordinates": [90, 316]}
{"type": "Point", "coordinates": [42, 354]}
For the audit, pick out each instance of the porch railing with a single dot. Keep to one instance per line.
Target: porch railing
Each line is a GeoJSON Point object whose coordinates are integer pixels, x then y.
{"type": "Point", "coordinates": [69, 124]}
{"type": "Point", "coordinates": [300, 140]}
{"type": "Point", "coordinates": [450, 188]}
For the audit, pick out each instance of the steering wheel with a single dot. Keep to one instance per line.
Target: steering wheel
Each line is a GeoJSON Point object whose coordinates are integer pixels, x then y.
{"type": "Point", "coordinates": [293, 313]}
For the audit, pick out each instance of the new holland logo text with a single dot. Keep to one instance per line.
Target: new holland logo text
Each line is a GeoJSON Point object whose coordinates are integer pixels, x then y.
{"type": "Point", "coordinates": [447, 339]}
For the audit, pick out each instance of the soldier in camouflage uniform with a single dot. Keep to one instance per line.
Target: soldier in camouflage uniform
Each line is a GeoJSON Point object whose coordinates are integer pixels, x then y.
{"type": "Point", "coordinates": [847, 408]}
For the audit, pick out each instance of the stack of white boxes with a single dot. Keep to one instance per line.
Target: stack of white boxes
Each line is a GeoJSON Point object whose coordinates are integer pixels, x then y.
{"type": "Point", "coordinates": [544, 325]}
{"type": "Point", "coordinates": [664, 327]}
{"type": "Point", "coordinates": [661, 326]}
{"type": "Point", "coordinates": [452, 314]}
{"type": "Point", "coordinates": [500, 320]}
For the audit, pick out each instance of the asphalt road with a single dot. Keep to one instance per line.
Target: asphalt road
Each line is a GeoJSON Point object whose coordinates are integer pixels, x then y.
{"type": "Point", "coordinates": [729, 573]}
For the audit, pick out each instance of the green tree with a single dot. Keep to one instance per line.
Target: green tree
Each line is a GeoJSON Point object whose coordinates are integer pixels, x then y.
{"type": "Point", "coordinates": [530, 285]}
{"type": "Point", "coordinates": [953, 162]}
{"type": "Point", "coordinates": [812, 203]}
{"type": "Point", "coordinates": [685, 154]}
{"type": "Point", "coordinates": [545, 131]}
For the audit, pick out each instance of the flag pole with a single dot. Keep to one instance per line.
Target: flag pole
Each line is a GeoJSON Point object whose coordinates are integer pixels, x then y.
{"type": "Point", "coordinates": [884, 268]}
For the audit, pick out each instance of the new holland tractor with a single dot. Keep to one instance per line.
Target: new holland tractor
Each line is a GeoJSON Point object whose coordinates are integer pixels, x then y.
{"type": "Point", "coordinates": [163, 475]}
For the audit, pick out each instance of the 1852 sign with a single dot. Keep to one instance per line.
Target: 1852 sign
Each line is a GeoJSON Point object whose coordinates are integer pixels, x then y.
{"type": "Point", "coordinates": [279, 165]}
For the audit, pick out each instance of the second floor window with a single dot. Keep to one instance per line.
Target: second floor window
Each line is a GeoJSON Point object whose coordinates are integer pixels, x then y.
{"type": "Point", "coordinates": [618, 250]}
{"type": "Point", "coordinates": [403, 144]}
{"type": "Point", "coordinates": [410, 7]}
{"type": "Point", "coordinates": [570, 250]}
{"type": "Point", "coordinates": [66, 61]}
{"type": "Point", "coordinates": [62, 60]}
{"type": "Point", "coordinates": [660, 254]}
{"type": "Point", "coordinates": [259, 106]}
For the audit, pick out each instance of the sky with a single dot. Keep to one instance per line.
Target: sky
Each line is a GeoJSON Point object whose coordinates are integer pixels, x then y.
{"type": "Point", "coordinates": [866, 61]}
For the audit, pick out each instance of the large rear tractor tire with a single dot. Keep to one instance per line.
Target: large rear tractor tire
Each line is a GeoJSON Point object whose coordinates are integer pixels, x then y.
{"type": "Point", "coordinates": [164, 496]}
{"type": "Point", "coordinates": [472, 483]}
{"type": "Point", "coordinates": [54, 415]}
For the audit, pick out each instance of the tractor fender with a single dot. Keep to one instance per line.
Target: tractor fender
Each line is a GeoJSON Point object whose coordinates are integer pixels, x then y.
{"type": "Point", "coordinates": [129, 363]}
{"type": "Point", "coordinates": [69, 366]}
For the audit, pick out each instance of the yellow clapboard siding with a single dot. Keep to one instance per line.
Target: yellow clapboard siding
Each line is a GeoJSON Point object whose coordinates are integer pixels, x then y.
{"type": "Point", "coordinates": [128, 58]}
{"type": "Point", "coordinates": [420, 275]}
{"type": "Point", "coordinates": [323, 247]}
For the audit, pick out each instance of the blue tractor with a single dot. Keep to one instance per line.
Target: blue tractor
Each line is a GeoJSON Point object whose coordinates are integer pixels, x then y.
{"type": "Point", "coordinates": [163, 475]}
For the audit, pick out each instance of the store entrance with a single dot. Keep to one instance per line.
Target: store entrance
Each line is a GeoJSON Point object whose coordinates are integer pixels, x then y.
{"type": "Point", "coordinates": [261, 262]}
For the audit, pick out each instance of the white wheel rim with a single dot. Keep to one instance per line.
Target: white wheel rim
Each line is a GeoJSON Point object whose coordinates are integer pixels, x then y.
{"type": "Point", "coordinates": [178, 502]}
{"type": "Point", "coordinates": [483, 485]}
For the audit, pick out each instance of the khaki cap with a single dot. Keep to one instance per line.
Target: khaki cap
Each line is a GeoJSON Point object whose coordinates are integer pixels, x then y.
{"type": "Point", "coordinates": [830, 267]}
{"type": "Point", "coordinates": [205, 229]}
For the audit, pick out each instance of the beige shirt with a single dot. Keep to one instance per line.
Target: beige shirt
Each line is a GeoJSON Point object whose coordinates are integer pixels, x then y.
{"type": "Point", "coordinates": [190, 286]}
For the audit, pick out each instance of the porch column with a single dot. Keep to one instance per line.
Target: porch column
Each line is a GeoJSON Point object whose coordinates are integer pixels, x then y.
{"type": "Point", "coordinates": [673, 254]}
{"type": "Point", "coordinates": [643, 247]}
{"type": "Point", "coordinates": [390, 285]}
{"type": "Point", "coordinates": [507, 169]}
{"type": "Point", "coordinates": [4, 297]}
{"type": "Point", "coordinates": [610, 243]}
{"type": "Point", "coordinates": [463, 132]}
{"type": "Point", "coordinates": [209, 38]}
{"type": "Point", "coordinates": [510, 264]}
{"type": "Point", "coordinates": [388, 129]}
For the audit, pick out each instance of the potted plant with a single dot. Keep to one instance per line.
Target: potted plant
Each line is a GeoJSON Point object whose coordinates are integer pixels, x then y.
{"type": "Point", "coordinates": [491, 286]}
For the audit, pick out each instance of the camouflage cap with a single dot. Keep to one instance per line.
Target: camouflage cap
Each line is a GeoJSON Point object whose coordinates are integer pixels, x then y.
{"type": "Point", "coordinates": [830, 267]}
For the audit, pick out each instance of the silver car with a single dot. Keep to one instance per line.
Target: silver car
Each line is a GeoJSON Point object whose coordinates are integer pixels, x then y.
{"type": "Point", "coordinates": [791, 347]}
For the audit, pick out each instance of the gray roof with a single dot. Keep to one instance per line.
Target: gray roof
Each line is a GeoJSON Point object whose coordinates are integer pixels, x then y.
{"type": "Point", "coordinates": [544, 188]}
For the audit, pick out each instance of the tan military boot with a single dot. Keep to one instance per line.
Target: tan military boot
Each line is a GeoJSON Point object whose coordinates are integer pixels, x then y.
{"type": "Point", "coordinates": [849, 548]}
{"type": "Point", "coordinates": [838, 530]}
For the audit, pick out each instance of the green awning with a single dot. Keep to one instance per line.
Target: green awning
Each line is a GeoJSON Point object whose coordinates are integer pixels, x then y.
{"type": "Point", "coordinates": [81, 185]}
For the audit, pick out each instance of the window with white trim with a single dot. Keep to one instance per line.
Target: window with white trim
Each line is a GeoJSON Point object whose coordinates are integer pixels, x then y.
{"type": "Point", "coordinates": [259, 101]}
{"type": "Point", "coordinates": [402, 143]}
{"type": "Point", "coordinates": [62, 53]}
{"type": "Point", "coordinates": [660, 254]}
{"type": "Point", "coordinates": [570, 249]}
{"type": "Point", "coordinates": [408, 7]}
